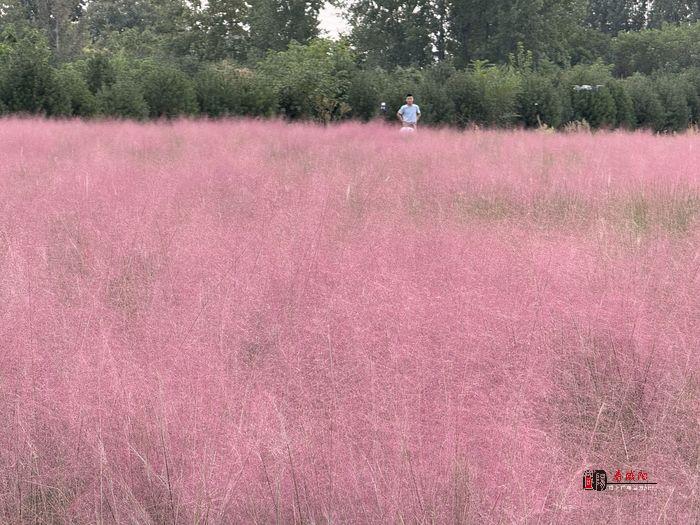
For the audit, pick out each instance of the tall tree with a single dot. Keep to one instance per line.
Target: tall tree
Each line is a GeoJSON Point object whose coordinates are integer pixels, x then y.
{"type": "Point", "coordinates": [673, 11]}
{"type": "Point", "coordinates": [273, 24]}
{"type": "Point", "coordinates": [613, 16]}
{"type": "Point", "coordinates": [492, 30]}
{"type": "Point", "coordinates": [392, 33]}
{"type": "Point", "coordinates": [143, 26]}
{"type": "Point", "coordinates": [220, 28]}
{"type": "Point", "coordinates": [58, 19]}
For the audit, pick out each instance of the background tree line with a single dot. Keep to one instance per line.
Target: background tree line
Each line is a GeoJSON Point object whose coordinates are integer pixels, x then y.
{"type": "Point", "coordinates": [503, 62]}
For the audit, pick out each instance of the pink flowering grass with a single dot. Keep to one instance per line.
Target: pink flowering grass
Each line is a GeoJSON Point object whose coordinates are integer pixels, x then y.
{"type": "Point", "coordinates": [253, 322]}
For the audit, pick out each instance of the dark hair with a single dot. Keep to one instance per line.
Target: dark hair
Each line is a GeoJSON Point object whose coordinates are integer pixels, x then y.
{"type": "Point", "coordinates": [408, 95]}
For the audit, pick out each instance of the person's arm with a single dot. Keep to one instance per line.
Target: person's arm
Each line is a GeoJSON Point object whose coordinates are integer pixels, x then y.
{"type": "Point", "coordinates": [400, 114]}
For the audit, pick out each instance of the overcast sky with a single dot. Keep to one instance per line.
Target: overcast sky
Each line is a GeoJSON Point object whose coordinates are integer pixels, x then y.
{"type": "Point", "coordinates": [331, 22]}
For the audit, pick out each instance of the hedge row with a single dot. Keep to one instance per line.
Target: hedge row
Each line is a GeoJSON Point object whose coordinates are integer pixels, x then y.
{"type": "Point", "coordinates": [322, 81]}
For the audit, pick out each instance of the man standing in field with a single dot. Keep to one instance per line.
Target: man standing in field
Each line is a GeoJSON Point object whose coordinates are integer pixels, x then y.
{"type": "Point", "coordinates": [409, 113]}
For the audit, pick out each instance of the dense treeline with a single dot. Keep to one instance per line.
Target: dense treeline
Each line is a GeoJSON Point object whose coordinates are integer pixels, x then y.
{"type": "Point", "coordinates": [499, 63]}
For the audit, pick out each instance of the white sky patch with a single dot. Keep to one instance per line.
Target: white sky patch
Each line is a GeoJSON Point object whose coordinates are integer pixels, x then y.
{"type": "Point", "coordinates": [331, 22]}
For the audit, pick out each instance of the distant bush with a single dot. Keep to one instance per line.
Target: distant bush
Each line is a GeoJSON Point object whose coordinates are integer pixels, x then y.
{"type": "Point", "coordinates": [539, 101]}
{"type": "Point", "coordinates": [436, 104]}
{"type": "Point", "coordinates": [673, 96]}
{"type": "Point", "coordinates": [311, 81]}
{"type": "Point", "coordinates": [124, 98]}
{"type": "Point", "coordinates": [691, 84]}
{"type": "Point", "coordinates": [99, 72]}
{"type": "Point", "coordinates": [485, 94]}
{"type": "Point", "coordinates": [624, 106]}
{"type": "Point", "coordinates": [595, 106]}
{"type": "Point", "coordinates": [363, 95]}
{"type": "Point", "coordinates": [26, 78]}
{"type": "Point", "coordinates": [648, 110]}
{"type": "Point", "coordinates": [71, 95]}
{"type": "Point", "coordinates": [670, 48]}
{"type": "Point", "coordinates": [168, 91]}
{"type": "Point", "coordinates": [213, 93]}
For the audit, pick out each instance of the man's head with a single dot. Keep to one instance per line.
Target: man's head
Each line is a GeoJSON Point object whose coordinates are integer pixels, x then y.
{"type": "Point", "coordinates": [409, 99]}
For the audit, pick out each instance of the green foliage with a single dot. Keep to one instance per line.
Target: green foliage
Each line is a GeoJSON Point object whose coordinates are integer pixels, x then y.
{"type": "Point", "coordinates": [363, 95]}
{"type": "Point", "coordinates": [691, 84]}
{"type": "Point", "coordinates": [71, 95]}
{"type": "Point", "coordinates": [539, 101]}
{"type": "Point", "coordinates": [143, 28]}
{"type": "Point", "coordinates": [226, 90]}
{"type": "Point", "coordinates": [166, 58]}
{"type": "Point", "coordinates": [492, 30]}
{"type": "Point", "coordinates": [311, 81]}
{"type": "Point", "coordinates": [26, 78]}
{"type": "Point", "coordinates": [219, 30]}
{"type": "Point", "coordinates": [648, 110]}
{"type": "Point", "coordinates": [123, 98]}
{"type": "Point", "coordinates": [586, 46]}
{"type": "Point", "coordinates": [485, 94]}
{"type": "Point", "coordinates": [213, 93]}
{"type": "Point", "coordinates": [613, 16]}
{"type": "Point", "coordinates": [624, 106]}
{"type": "Point", "coordinates": [274, 24]}
{"type": "Point", "coordinates": [673, 95]}
{"type": "Point", "coordinates": [671, 48]}
{"type": "Point", "coordinates": [596, 106]}
{"type": "Point", "coordinates": [436, 103]}
{"type": "Point", "coordinates": [99, 71]}
{"type": "Point", "coordinates": [396, 85]}
{"type": "Point", "coordinates": [673, 11]}
{"type": "Point", "coordinates": [168, 92]}
{"type": "Point", "coordinates": [388, 34]}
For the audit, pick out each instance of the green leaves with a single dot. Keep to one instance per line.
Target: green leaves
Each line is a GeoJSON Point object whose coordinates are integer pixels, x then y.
{"type": "Point", "coordinates": [311, 81]}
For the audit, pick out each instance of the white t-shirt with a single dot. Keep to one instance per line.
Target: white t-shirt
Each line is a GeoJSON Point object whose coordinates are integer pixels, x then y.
{"type": "Point", "coordinates": [410, 113]}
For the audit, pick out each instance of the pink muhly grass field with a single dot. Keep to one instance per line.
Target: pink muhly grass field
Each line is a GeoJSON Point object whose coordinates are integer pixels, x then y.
{"type": "Point", "coordinates": [254, 322]}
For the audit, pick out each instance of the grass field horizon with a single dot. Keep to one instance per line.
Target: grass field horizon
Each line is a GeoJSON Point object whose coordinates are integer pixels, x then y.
{"type": "Point", "coordinates": [257, 322]}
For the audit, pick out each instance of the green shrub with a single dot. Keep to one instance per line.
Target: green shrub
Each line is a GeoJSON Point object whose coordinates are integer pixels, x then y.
{"type": "Point", "coordinates": [213, 93]}
{"type": "Point", "coordinates": [595, 106]}
{"type": "Point", "coordinates": [71, 95]}
{"type": "Point", "coordinates": [124, 98]}
{"type": "Point", "coordinates": [436, 104]}
{"type": "Point", "coordinates": [363, 95]}
{"type": "Point", "coordinates": [539, 99]}
{"type": "Point", "coordinates": [691, 84]}
{"type": "Point", "coordinates": [168, 91]}
{"type": "Point", "coordinates": [227, 90]}
{"type": "Point", "coordinates": [26, 78]}
{"type": "Point", "coordinates": [673, 95]}
{"type": "Point", "coordinates": [485, 95]}
{"type": "Point", "coordinates": [311, 81]}
{"type": "Point", "coordinates": [99, 71]}
{"type": "Point", "coordinates": [648, 110]}
{"type": "Point", "coordinates": [624, 106]}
